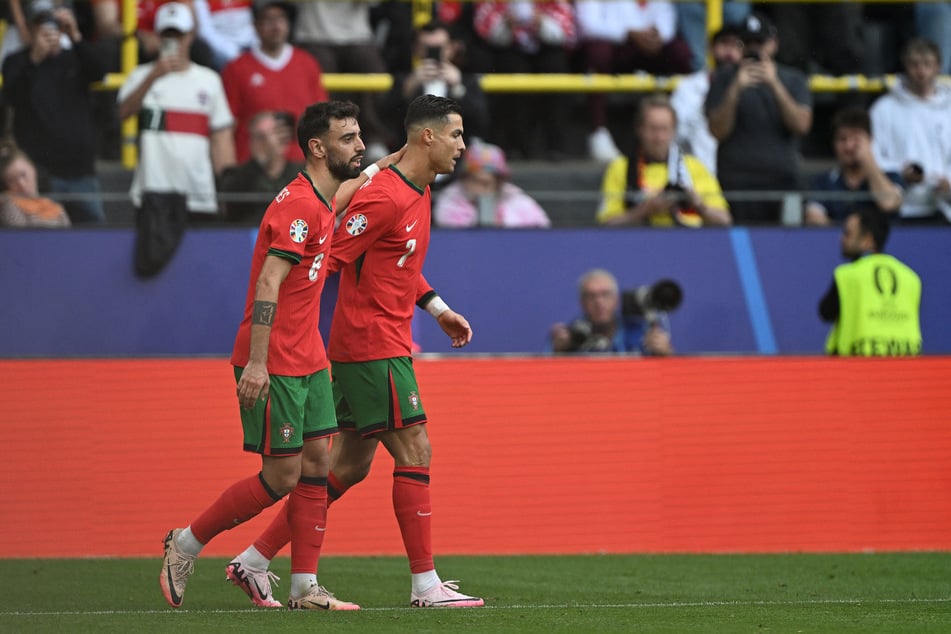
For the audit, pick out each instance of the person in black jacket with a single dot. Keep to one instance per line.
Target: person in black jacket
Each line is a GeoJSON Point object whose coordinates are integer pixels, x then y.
{"type": "Point", "coordinates": [435, 72]}
{"type": "Point", "coordinates": [47, 86]}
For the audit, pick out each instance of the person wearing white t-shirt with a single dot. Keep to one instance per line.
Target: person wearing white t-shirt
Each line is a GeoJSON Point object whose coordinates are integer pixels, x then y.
{"type": "Point", "coordinates": [911, 128]}
{"type": "Point", "coordinates": [185, 124]}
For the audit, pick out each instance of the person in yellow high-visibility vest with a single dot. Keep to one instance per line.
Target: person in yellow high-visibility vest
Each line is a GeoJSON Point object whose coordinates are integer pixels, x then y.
{"type": "Point", "coordinates": [875, 298]}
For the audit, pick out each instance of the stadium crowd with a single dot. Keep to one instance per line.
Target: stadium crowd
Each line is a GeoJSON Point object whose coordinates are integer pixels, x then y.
{"type": "Point", "coordinates": [742, 121]}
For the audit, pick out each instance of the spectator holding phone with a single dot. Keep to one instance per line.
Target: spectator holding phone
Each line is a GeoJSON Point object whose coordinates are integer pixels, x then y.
{"type": "Point", "coordinates": [434, 73]}
{"type": "Point", "coordinates": [757, 111]}
{"type": "Point", "coordinates": [47, 87]}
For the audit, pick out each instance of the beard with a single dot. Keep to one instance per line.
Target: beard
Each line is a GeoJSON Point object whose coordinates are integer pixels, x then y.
{"type": "Point", "coordinates": [342, 170]}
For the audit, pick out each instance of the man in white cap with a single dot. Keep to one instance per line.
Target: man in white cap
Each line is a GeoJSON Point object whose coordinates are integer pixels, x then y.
{"type": "Point", "coordinates": [185, 124]}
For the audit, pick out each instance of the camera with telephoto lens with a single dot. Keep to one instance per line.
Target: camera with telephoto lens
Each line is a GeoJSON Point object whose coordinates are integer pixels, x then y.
{"type": "Point", "coordinates": [649, 301]}
{"type": "Point", "coordinates": [645, 303]}
{"type": "Point", "coordinates": [584, 339]}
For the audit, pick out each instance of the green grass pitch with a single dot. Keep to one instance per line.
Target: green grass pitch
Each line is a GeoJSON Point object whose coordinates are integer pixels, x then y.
{"type": "Point", "coordinates": [882, 592]}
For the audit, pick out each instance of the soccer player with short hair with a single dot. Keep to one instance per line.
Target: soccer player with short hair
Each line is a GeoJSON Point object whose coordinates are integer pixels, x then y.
{"type": "Point", "coordinates": [379, 249]}
{"type": "Point", "coordinates": [282, 372]}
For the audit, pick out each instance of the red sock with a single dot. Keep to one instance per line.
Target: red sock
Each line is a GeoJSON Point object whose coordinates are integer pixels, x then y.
{"type": "Point", "coordinates": [307, 518]}
{"type": "Point", "coordinates": [276, 536]}
{"type": "Point", "coordinates": [335, 489]}
{"type": "Point", "coordinates": [414, 514]}
{"type": "Point", "coordinates": [239, 503]}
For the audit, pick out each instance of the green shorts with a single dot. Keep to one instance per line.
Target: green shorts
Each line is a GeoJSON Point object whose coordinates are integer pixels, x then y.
{"type": "Point", "coordinates": [298, 408]}
{"type": "Point", "coordinates": [375, 396]}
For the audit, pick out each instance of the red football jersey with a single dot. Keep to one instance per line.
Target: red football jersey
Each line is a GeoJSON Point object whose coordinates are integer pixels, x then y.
{"type": "Point", "coordinates": [255, 83]}
{"type": "Point", "coordinates": [379, 248]}
{"type": "Point", "coordinates": [298, 226]}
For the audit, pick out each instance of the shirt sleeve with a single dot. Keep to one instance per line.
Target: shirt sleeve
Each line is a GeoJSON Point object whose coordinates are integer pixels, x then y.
{"type": "Point", "coordinates": [422, 290]}
{"type": "Point", "coordinates": [718, 86]}
{"type": "Point", "coordinates": [136, 77]}
{"type": "Point", "coordinates": [369, 216]}
{"type": "Point", "coordinates": [613, 189]}
{"type": "Point", "coordinates": [220, 116]}
{"type": "Point", "coordinates": [798, 87]}
{"type": "Point", "coordinates": [288, 224]}
{"type": "Point", "coordinates": [829, 304]}
{"type": "Point", "coordinates": [705, 184]}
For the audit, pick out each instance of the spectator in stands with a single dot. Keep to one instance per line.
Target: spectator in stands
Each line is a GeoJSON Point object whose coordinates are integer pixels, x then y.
{"type": "Point", "coordinates": [265, 173]}
{"type": "Point", "coordinates": [757, 111]}
{"type": "Point", "coordinates": [529, 37]}
{"type": "Point", "coordinates": [272, 76]}
{"type": "Point", "coordinates": [874, 299]}
{"type": "Point", "coordinates": [435, 74]}
{"type": "Point", "coordinates": [693, 130]}
{"type": "Point", "coordinates": [185, 125]}
{"type": "Point", "coordinates": [606, 326]}
{"type": "Point", "coordinates": [47, 87]}
{"type": "Point", "coordinates": [340, 36]}
{"type": "Point", "coordinates": [20, 202]}
{"type": "Point", "coordinates": [227, 27]}
{"type": "Point", "coordinates": [692, 25]}
{"type": "Point", "coordinates": [622, 37]}
{"type": "Point", "coordinates": [912, 130]}
{"type": "Point", "coordinates": [933, 20]}
{"type": "Point", "coordinates": [149, 40]}
{"type": "Point", "coordinates": [660, 184]}
{"type": "Point", "coordinates": [483, 195]}
{"type": "Point", "coordinates": [856, 172]}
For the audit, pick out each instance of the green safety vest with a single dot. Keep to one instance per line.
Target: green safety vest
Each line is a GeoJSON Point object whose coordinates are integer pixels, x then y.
{"type": "Point", "coordinates": [879, 298]}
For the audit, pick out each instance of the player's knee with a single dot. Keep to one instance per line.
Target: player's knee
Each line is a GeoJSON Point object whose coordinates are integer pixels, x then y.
{"type": "Point", "coordinates": [282, 476]}
{"type": "Point", "coordinates": [352, 473]}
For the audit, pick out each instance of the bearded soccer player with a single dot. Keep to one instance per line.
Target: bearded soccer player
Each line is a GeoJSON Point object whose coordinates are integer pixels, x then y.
{"type": "Point", "coordinates": [281, 368]}
{"type": "Point", "coordinates": [379, 248]}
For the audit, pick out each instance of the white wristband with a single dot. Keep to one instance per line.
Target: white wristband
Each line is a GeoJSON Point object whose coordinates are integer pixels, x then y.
{"type": "Point", "coordinates": [436, 306]}
{"type": "Point", "coordinates": [372, 170]}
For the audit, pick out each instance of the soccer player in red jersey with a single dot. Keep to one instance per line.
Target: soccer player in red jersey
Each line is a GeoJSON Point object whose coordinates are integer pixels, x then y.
{"type": "Point", "coordinates": [379, 249]}
{"type": "Point", "coordinates": [281, 368]}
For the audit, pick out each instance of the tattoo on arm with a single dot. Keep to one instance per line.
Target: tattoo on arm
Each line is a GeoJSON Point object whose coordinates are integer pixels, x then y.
{"type": "Point", "coordinates": [263, 313]}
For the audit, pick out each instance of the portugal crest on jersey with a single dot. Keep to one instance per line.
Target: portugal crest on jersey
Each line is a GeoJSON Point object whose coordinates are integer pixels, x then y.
{"type": "Point", "coordinates": [414, 401]}
{"type": "Point", "coordinates": [298, 230]}
{"type": "Point", "coordinates": [286, 432]}
{"type": "Point", "coordinates": [357, 224]}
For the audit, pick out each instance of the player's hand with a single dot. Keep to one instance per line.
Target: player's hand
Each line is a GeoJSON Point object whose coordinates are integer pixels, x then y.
{"type": "Point", "coordinates": [254, 383]}
{"type": "Point", "coordinates": [392, 158]}
{"type": "Point", "coordinates": [456, 326]}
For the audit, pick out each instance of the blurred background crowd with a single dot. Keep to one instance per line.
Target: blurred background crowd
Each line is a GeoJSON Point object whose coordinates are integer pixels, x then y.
{"type": "Point", "coordinates": [744, 132]}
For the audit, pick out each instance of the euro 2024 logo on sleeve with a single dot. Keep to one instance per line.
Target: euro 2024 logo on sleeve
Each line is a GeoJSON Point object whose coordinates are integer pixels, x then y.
{"type": "Point", "coordinates": [357, 224]}
{"type": "Point", "coordinates": [298, 230]}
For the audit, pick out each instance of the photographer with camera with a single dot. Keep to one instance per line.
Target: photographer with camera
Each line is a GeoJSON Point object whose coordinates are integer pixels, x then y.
{"type": "Point", "coordinates": [632, 321]}
{"type": "Point", "coordinates": [659, 184]}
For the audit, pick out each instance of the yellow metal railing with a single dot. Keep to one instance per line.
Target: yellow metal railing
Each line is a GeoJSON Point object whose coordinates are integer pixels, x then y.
{"type": "Point", "coordinates": [516, 83]}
